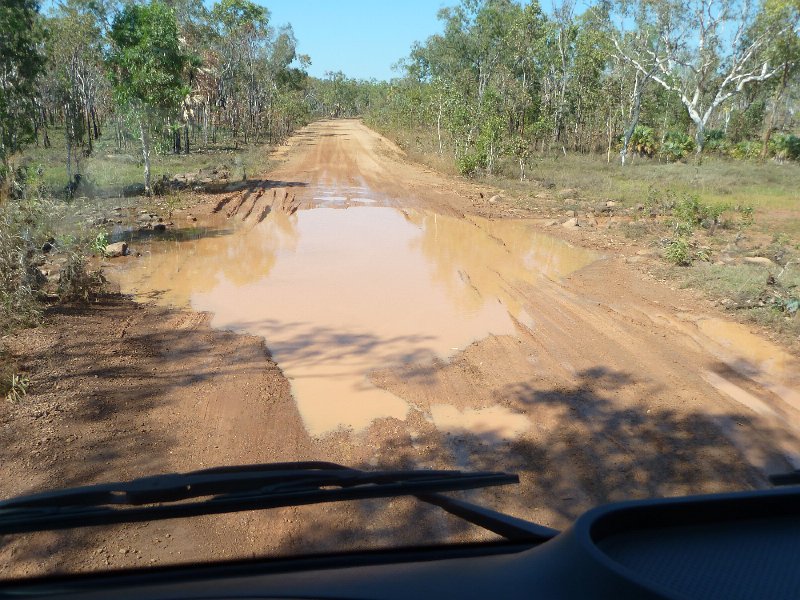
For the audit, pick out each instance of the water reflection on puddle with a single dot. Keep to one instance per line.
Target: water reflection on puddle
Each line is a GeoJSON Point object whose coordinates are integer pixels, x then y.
{"type": "Point", "coordinates": [340, 293]}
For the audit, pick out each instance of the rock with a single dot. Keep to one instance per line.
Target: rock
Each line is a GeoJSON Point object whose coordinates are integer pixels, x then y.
{"type": "Point", "coordinates": [758, 260]}
{"type": "Point", "coordinates": [495, 198]}
{"type": "Point", "coordinates": [550, 223]}
{"type": "Point", "coordinates": [115, 250]}
{"type": "Point", "coordinates": [610, 204]}
{"type": "Point", "coordinates": [573, 222]}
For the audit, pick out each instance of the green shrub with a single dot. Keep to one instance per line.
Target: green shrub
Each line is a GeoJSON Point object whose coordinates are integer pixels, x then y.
{"type": "Point", "coordinates": [785, 146]}
{"type": "Point", "coordinates": [469, 163]}
{"type": "Point", "coordinates": [746, 150]}
{"type": "Point", "coordinates": [76, 283]}
{"type": "Point", "coordinates": [676, 145]}
{"type": "Point", "coordinates": [20, 279]}
{"type": "Point", "coordinates": [715, 141]}
{"type": "Point", "coordinates": [16, 387]}
{"type": "Point", "coordinates": [98, 245]}
{"type": "Point", "coordinates": [643, 141]}
{"type": "Point", "coordinates": [678, 251]}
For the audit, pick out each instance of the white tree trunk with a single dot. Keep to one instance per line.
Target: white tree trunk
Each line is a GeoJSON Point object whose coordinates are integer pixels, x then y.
{"type": "Point", "coordinates": [145, 137]}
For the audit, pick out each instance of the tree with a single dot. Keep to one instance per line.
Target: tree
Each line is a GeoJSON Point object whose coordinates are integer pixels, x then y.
{"type": "Point", "coordinates": [147, 69]}
{"type": "Point", "coordinates": [707, 52]}
{"type": "Point", "coordinates": [21, 62]}
{"type": "Point", "coordinates": [75, 83]}
{"type": "Point", "coordinates": [785, 50]}
{"type": "Point", "coordinates": [242, 34]}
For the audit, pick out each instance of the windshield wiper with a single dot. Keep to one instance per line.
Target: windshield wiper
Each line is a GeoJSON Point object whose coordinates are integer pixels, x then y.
{"type": "Point", "coordinates": [252, 487]}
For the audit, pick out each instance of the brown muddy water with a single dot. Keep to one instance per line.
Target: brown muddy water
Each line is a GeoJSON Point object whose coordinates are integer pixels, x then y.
{"type": "Point", "coordinates": [338, 293]}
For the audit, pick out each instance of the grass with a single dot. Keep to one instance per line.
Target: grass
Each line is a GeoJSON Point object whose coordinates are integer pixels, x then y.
{"type": "Point", "coordinates": [111, 169]}
{"type": "Point", "coordinates": [758, 293]}
{"type": "Point", "coordinates": [768, 187]}
{"type": "Point", "coordinates": [771, 188]}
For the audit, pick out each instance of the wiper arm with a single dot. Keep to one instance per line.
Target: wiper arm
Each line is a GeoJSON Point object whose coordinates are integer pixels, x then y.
{"type": "Point", "coordinates": [231, 489]}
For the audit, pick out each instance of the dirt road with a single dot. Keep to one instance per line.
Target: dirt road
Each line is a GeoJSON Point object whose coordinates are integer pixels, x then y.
{"type": "Point", "coordinates": [402, 329]}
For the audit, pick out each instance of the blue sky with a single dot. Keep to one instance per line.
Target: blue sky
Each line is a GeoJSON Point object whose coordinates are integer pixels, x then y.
{"type": "Point", "coordinates": [361, 38]}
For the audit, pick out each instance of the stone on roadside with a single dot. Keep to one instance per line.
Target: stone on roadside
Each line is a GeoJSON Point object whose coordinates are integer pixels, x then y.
{"type": "Point", "coordinates": [573, 222]}
{"type": "Point", "coordinates": [117, 249]}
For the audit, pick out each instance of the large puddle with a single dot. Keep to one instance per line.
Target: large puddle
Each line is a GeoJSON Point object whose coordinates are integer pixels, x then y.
{"type": "Point", "coordinates": [339, 293]}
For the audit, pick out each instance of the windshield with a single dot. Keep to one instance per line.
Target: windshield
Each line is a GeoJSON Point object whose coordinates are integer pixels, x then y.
{"type": "Point", "coordinates": [560, 241]}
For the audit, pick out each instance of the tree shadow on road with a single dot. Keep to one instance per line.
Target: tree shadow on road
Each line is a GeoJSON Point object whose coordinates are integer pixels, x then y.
{"type": "Point", "coordinates": [598, 452]}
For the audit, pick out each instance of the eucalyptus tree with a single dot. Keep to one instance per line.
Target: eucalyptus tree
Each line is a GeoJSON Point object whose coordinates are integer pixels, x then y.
{"type": "Point", "coordinates": [241, 34]}
{"type": "Point", "coordinates": [21, 62]}
{"type": "Point", "coordinates": [785, 52]}
{"type": "Point", "coordinates": [707, 52]}
{"type": "Point", "coordinates": [147, 66]}
{"type": "Point", "coordinates": [75, 84]}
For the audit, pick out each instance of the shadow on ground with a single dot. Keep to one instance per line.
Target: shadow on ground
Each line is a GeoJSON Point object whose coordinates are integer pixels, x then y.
{"type": "Point", "coordinates": [599, 453]}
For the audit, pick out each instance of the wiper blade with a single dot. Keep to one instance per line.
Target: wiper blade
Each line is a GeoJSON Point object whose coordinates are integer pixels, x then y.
{"type": "Point", "coordinates": [226, 489]}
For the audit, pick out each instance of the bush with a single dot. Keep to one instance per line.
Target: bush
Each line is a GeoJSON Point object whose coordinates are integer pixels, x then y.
{"type": "Point", "coordinates": [677, 145]}
{"type": "Point", "coordinates": [76, 283]}
{"type": "Point", "coordinates": [678, 251]}
{"type": "Point", "coordinates": [643, 141]}
{"type": "Point", "coordinates": [746, 150]}
{"type": "Point", "coordinates": [715, 141]}
{"type": "Point", "coordinates": [469, 163]}
{"type": "Point", "coordinates": [688, 209]}
{"type": "Point", "coordinates": [20, 279]}
{"type": "Point", "coordinates": [785, 146]}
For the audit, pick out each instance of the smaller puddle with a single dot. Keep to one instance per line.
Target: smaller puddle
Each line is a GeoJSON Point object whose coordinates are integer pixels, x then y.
{"type": "Point", "coordinates": [492, 424]}
{"type": "Point", "coordinates": [756, 358]}
{"type": "Point", "coordinates": [762, 355]}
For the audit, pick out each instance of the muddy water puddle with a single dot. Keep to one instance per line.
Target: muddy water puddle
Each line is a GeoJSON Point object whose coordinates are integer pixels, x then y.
{"type": "Point", "coordinates": [337, 294]}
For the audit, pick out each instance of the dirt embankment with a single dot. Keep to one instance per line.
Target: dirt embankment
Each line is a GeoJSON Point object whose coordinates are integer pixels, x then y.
{"type": "Point", "coordinates": [626, 388]}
